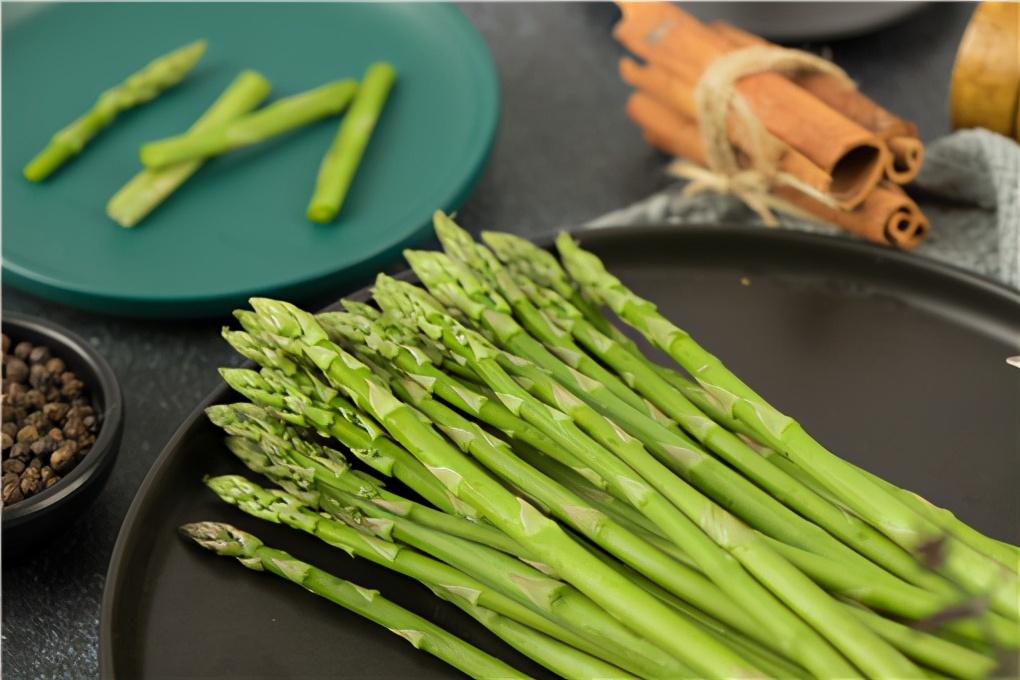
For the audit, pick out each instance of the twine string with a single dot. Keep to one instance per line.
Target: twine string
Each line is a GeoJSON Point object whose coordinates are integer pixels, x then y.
{"type": "Point", "coordinates": [751, 174]}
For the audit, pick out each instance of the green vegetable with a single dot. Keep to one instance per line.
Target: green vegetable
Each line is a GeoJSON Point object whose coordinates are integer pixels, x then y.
{"type": "Point", "coordinates": [640, 611]}
{"type": "Point", "coordinates": [229, 541]}
{"type": "Point", "coordinates": [140, 87]}
{"type": "Point", "coordinates": [451, 584]}
{"type": "Point", "coordinates": [149, 188]}
{"type": "Point", "coordinates": [275, 119]}
{"type": "Point", "coordinates": [880, 508]}
{"type": "Point", "coordinates": [707, 532]}
{"type": "Point", "coordinates": [341, 161]}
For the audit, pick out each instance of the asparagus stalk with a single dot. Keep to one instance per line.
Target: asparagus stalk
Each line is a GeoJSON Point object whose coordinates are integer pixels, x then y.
{"type": "Point", "coordinates": [460, 285]}
{"type": "Point", "coordinates": [642, 612]}
{"type": "Point", "coordinates": [341, 161]}
{"type": "Point", "coordinates": [783, 488]}
{"type": "Point", "coordinates": [351, 427]}
{"type": "Point", "coordinates": [229, 541]}
{"type": "Point", "coordinates": [327, 468]}
{"type": "Point", "coordinates": [412, 358]}
{"type": "Point", "coordinates": [162, 73]}
{"type": "Point", "coordinates": [146, 190]}
{"type": "Point", "coordinates": [573, 511]}
{"type": "Point", "coordinates": [452, 584]}
{"type": "Point", "coordinates": [724, 537]}
{"type": "Point", "coordinates": [560, 602]}
{"type": "Point", "coordinates": [275, 119]}
{"type": "Point", "coordinates": [883, 510]}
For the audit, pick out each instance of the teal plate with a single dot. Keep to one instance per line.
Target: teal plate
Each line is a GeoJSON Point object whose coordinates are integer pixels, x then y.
{"type": "Point", "coordinates": [237, 228]}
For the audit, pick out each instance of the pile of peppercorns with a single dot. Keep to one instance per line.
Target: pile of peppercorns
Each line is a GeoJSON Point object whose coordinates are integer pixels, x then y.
{"type": "Point", "coordinates": [48, 421]}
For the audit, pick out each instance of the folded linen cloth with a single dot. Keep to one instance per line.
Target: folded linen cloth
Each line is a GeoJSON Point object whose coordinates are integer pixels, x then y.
{"type": "Point", "coordinates": [969, 187]}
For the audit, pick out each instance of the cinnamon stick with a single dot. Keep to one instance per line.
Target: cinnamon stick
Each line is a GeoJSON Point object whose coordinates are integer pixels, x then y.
{"type": "Point", "coordinates": [887, 215]}
{"type": "Point", "coordinates": [677, 93]}
{"type": "Point", "coordinates": [663, 34]}
{"type": "Point", "coordinates": [905, 156]}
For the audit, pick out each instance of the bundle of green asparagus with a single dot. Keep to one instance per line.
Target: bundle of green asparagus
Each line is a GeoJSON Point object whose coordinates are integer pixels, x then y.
{"type": "Point", "coordinates": [605, 515]}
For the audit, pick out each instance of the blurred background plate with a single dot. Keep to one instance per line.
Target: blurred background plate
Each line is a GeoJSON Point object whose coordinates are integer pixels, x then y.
{"type": "Point", "coordinates": [805, 21]}
{"type": "Point", "coordinates": [237, 228]}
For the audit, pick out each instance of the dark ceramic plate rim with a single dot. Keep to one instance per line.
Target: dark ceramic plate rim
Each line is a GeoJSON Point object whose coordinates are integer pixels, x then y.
{"type": "Point", "coordinates": [102, 453]}
{"type": "Point", "coordinates": [202, 305]}
{"type": "Point", "coordinates": [910, 264]}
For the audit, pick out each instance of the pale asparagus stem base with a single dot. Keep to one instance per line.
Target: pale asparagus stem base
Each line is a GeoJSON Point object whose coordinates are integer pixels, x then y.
{"type": "Point", "coordinates": [275, 119]}
{"type": "Point", "coordinates": [451, 584]}
{"type": "Point", "coordinates": [344, 155]}
{"type": "Point", "coordinates": [642, 612]}
{"type": "Point", "coordinates": [228, 541]}
{"type": "Point", "coordinates": [149, 188]}
{"type": "Point", "coordinates": [883, 510]}
{"type": "Point", "coordinates": [140, 87]}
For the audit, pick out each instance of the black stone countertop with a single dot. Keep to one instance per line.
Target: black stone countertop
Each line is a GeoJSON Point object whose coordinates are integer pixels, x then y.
{"type": "Point", "coordinates": [564, 154]}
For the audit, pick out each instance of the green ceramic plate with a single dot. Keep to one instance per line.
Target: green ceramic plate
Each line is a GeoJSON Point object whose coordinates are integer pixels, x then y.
{"type": "Point", "coordinates": [237, 228]}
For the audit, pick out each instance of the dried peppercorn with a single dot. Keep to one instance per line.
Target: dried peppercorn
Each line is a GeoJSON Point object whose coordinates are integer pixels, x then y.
{"type": "Point", "coordinates": [48, 421]}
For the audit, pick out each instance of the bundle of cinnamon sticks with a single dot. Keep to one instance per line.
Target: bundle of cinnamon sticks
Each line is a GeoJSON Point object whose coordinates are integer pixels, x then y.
{"type": "Point", "coordinates": [847, 154]}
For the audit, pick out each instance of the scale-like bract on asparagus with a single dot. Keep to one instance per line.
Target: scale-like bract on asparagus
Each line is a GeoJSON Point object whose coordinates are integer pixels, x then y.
{"type": "Point", "coordinates": [275, 119]}
{"type": "Point", "coordinates": [229, 541]}
{"type": "Point", "coordinates": [140, 87]}
{"type": "Point", "coordinates": [149, 188]}
{"type": "Point", "coordinates": [344, 155]}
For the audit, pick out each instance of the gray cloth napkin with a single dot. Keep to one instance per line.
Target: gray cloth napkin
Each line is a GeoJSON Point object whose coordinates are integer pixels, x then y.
{"type": "Point", "coordinates": [969, 187]}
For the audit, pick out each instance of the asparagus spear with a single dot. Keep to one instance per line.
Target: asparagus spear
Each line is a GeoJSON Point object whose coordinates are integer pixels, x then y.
{"type": "Point", "coordinates": [140, 87]}
{"type": "Point", "coordinates": [650, 383]}
{"type": "Point", "coordinates": [149, 188]}
{"type": "Point", "coordinates": [725, 538]}
{"type": "Point", "coordinates": [374, 338]}
{"type": "Point", "coordinates": [526, 585]}
{"type": "Point", "coordinates": [452, 584]}
{"type": "Point", "coordinates": [352, 428]}
{"type": "Point", "coordinates": [341, 161]}
{"type": "Point", "coordinates": [573, 511]}
{"type": "Point", "coordinates": [229, 541]}
{"type": "Point", "coordinates": [275, 119]}
{"type": "Point", "coordinates": [468, 263]}
{"type": "Point", "coordinates": [329, 469]}
{"type": "Point", "coordinates": [519, 519]}
{"type": "Point", "coordinates": [883, 510]}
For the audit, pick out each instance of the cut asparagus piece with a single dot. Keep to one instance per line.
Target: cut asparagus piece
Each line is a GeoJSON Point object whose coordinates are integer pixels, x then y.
{"type": "Point", "coordinates": [275, 119]}
{"type": "Point", "coordinates": [149, 188]}
{"type": "Point", "coordinates": [140, 87]}
{"type": "Point", "coordinates": [341, 161]}
{"type": "Point", "coordinates": [229, 541]}
{"type": "Point", "coordinates": [519, 519]}
{"type": "Point", "coordinates": [978, 574]}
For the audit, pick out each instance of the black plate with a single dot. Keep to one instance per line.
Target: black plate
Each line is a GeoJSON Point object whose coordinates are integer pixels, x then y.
{"type": "Point", "coordinates": [896, 362]}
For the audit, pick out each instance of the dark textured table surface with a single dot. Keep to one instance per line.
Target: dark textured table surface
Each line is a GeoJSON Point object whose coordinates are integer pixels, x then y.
{"type": "Point", "coordinates": [565, 153]}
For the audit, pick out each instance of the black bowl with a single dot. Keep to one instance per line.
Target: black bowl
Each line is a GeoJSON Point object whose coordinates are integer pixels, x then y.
{"type": "Point", "coordinates": [28, 523]}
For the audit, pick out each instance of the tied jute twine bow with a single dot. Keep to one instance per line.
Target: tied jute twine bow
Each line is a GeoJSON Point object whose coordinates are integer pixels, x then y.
{"type": "Point", "coordinates": [715, 96]}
